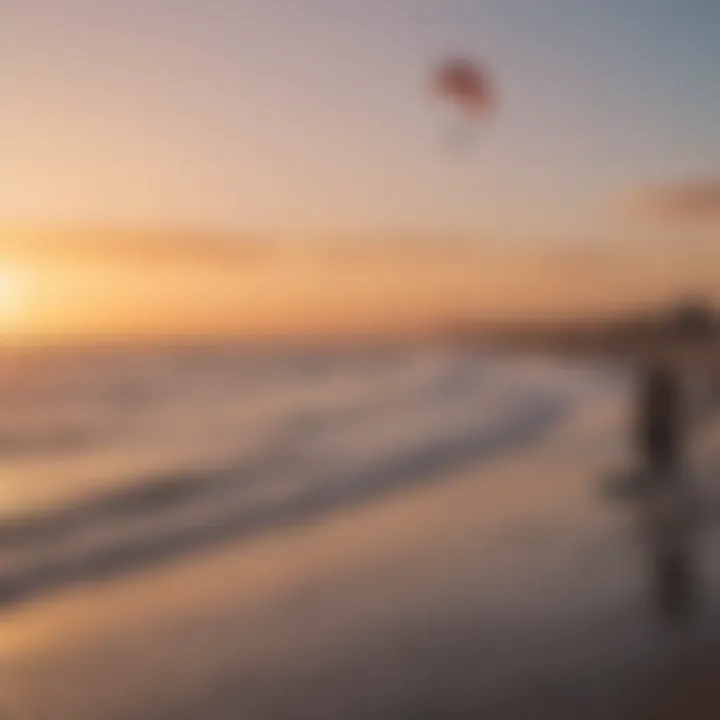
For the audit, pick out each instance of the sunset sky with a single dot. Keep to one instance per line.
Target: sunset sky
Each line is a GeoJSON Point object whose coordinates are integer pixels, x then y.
{"type": "Point", "coordinates": [252, 166]}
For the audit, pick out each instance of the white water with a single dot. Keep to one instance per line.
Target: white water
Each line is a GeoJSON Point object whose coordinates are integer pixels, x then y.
{"type": "Point", "coordinates": [114, 461]}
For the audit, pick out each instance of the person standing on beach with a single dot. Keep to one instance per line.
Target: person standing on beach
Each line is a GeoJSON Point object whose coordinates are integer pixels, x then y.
{"type": "Point", "coordinates": [664, 503]}
{"type": "Point", "coordinates": [659, 423]}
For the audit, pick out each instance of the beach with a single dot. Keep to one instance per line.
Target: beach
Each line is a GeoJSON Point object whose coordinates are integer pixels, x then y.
{"type": "Point", "coordinates": [483, 575]}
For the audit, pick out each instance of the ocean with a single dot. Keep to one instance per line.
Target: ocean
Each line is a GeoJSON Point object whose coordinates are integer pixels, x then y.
{"type": "Point", "coordinates": [116, 457]}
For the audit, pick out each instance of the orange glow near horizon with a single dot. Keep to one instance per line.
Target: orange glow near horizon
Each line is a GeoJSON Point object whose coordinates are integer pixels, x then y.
{"type": "Point", "coordinates": [143, 286]}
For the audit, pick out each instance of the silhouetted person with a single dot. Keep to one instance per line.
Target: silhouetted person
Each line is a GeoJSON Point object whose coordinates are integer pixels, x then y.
{"type": "Point", "coordinates": [665, 500]}
{"type": "Point", "coordinates": [659, 422]}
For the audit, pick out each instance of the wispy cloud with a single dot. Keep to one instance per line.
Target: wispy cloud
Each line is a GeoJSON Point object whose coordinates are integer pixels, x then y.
{"type": "Point", "coordinates": [354, 255]}
{"type": "Point", "coordinates": [147, 247]}
{"type": "Point", "coordinates": [693, 200]}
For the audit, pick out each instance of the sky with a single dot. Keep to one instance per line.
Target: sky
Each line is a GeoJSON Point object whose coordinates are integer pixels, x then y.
{"type": "Point", "coordinates": [299, 122]}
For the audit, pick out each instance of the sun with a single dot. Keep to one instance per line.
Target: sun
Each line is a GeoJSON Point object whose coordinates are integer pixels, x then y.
{"type": "Point", "coordinates": [13, 293]}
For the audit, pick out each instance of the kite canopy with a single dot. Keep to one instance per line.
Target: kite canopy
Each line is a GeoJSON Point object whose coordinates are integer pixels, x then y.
{"type": "Point", "coordinates": [466, 85]}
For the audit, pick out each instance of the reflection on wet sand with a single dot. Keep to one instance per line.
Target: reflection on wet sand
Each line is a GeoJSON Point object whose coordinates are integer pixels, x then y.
{"type": "Point", "coordinates": [667, 516]}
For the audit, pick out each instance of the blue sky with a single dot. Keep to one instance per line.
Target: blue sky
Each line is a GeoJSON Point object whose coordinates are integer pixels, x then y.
{"type": "Point", "coordinates": [313, 117]}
